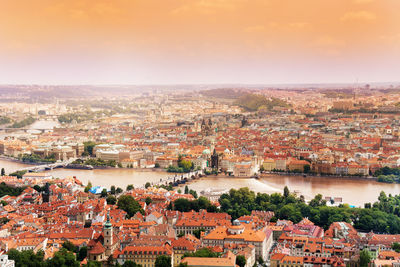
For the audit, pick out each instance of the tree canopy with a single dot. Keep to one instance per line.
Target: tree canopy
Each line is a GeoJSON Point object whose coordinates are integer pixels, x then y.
{"type": "Point", "coordinates": [129, 204]}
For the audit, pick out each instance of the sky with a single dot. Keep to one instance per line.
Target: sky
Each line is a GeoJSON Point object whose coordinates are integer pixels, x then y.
{"type": "Point", "coordinates": [199, 41]}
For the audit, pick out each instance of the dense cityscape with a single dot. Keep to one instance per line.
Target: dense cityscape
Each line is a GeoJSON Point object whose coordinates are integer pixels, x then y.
{"type": "Point", "coordinates": [199, 133]}
{"type": "Point", "coordinates": [339, 134]}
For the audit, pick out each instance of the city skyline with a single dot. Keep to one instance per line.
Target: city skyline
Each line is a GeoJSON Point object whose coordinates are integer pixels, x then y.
{"type": "Point", "coordinates": [199, 42]}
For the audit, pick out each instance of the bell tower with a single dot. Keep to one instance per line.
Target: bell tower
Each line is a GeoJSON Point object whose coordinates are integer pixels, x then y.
{"type": "Point", "coordinates": [108, 235]}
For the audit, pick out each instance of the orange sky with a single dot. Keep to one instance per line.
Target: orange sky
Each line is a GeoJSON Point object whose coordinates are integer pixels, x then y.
{"type": "Point", "coordinates": [199, 41]}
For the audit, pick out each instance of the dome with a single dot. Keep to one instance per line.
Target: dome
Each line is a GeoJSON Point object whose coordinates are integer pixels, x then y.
{"type": "Point", "coordinates": [236, 222]}
{"type": "Point", "coordinates": [206, 151]}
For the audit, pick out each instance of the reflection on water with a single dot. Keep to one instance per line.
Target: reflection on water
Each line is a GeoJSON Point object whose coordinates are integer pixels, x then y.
{"type": "Point", "coordinates": [355, 192]}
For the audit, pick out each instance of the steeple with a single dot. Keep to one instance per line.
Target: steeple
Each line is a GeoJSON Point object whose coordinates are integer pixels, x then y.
{"type": "Point", "coordinates": [108, 224]}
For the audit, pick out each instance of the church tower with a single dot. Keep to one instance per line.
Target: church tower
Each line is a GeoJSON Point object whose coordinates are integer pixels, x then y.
{"type": "Point", "coordinates": [108, 236]}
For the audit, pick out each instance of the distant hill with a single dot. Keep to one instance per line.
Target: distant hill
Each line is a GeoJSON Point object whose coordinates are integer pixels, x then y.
{"type": "Point", "coordinates": [226, 93]}
{"type": "Point", "coordinates": [254, 102]}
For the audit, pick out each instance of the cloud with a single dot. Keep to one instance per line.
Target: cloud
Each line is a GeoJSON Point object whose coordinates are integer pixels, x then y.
{"type": "Point", "coordinates": [361, 15]}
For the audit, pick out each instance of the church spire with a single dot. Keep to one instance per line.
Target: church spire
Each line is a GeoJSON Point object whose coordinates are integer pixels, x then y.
{"type": "Point", "coordinates": [108, 224]}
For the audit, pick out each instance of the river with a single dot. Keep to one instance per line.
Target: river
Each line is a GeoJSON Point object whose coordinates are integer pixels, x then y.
{"type": "Point", "coordinates": [354, 192]}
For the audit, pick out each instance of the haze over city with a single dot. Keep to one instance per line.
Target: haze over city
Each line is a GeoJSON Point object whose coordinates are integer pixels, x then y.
{"type": "Point", "coordinates": [200, 133]}
{"type": "Point", "coordinates": [199, 41]}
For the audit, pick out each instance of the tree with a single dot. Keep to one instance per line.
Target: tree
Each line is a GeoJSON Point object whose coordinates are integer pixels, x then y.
{"type": "Point", "coordinates": [129, 187]}
{"type": "Point", "coordinates": [112, 191]}
{"type": "Point", "coordinates": [262, 168]}
{"type": "Point", "coordinates": [26, 257]}
{"type": "Point", "coordinates": [186, 165]}
{"type": "Point", "coordinates": [37, 188]}
{"type": "Point", "coordinates": [93, 264]}
{"type": "Point", "coordinates": [241, 261]}
{"type": "Point", "coordinates": [69, 246]}
{"type": "Point", "coordinates": [88, 187]}
{"type": "Point", "coordinates": [147, 185]}
{"type": "Point", "coordinates": [193, 193]}
{"type": "Point", "coordinates": [129, 205]}
{"type": "Point", "coordinates": [286, 192]}
{"type": "Point", "coordinates": [119, 190]}
{"type": "Point", "coordinates": [103, 193]}
{"type": "Point", "coordinates": [365, 258]}
{"type": "Point", "coordinates": [3, 172]}
{"type": "Point", "coordinates": [63, 258]}
{"type": "Point", "coordinates": [186, 189]}
{"type": "Point", "coordinates": [396, 247]}
{"type": "Point", "coordinates": [88, 147]}
{"type": "Point", "coordinates": [182, 205]}
{"type": "Point", "coordinates": [163, 261]}
{"type": "Point", "coordinates": [157, 165]}
{"type": "Point", "coordinates": [82, 254]}
{"type": "Point", "coordinates": [197, 232]}
{"type": "Point", "coordinates": [111, 200]}
{"type": "Point", "coordinates": [130, 264]}
{"type": "Point", "coordinates": [148, 200]}
{"type": "Point", "coordinates": [202, 253]}
{"type": "Point", "coordinates": [307, 168]}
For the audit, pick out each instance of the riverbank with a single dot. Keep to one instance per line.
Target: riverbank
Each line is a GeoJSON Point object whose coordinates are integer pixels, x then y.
{"type": "Point", "coordinates": [368, 178]}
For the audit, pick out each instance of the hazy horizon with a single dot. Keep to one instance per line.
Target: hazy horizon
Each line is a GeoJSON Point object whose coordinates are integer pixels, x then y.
{"type": "Point", "coordinates": [202, 42]}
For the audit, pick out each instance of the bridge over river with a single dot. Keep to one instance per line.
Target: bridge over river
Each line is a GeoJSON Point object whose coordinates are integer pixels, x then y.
{"type": "Point", "coordinates": [49, 166]}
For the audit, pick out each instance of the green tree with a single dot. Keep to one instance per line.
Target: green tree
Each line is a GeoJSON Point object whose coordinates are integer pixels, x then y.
{"type": "Point", "coordinates": [148, 200]}
{"type": "Point", "coordinates": [26, 258]}
{"type": "Point", "coordinates": [202, 253]}
{"type": "Point", "coordinates": [111, 200]}
{"type": "Point", "coordinates": [69, 246]}
{"type": "Point", "coordinates": [193, 193]}
{"type": "Point", "coordinates": [197, 232]}
{"type": "Point", "coordinates": [3, 172]}
{"type": "Point", "coordinates": [93, 264]}
{"type": "Point", "coordinates": [365, 258]}
{"type": "Point", "coordinates": [286, 192]}
{"type": "Point", "coordinates": [396, 247]}
{"type": "Point", "coordinates": [182, 205]}
{"type": "Point", "coordinates": [129, 205]}
{"type": "Point", "coordinates": [112, 190]}
{"type": "Point", "coordinates": [119, 190]}
{"type": "Point", "coordinates": [306, 168]}
{"type": "Point", "coordinates": [262, 168]}
{"type": "Point", "coordinates": [186, 165]}
{"type": "Point", "coordinates": [88, 147]}
{"type": "Point", "coordinates": [130, 264]}
{"type": "Point", "coordinates": [63, 258]}
{"type": "Point", "coordinates": [163, 261]}
{"type": "Point", "coordinates": [82, 254]}
{"type": "Point", "coordinates": [241, 260]}
{"type": "Point", "coordinates": [88, 187]}
{"type": "Point", "coordinates": [129, 187]}
{"type": "Point", "coordinates": [147, 185]}
{"type": "Point", "coordinates": [103, 193]}
{"type": "Point", "coordinates": [186, 189]}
